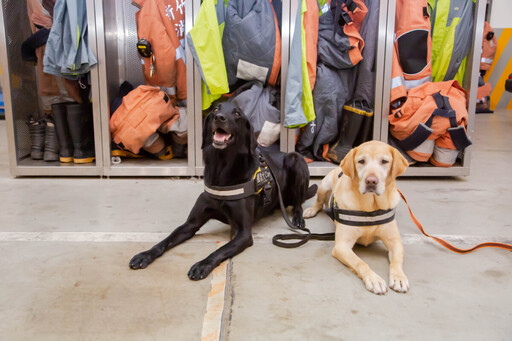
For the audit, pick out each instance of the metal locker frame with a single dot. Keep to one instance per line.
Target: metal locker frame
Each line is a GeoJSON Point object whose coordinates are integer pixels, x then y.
{"type": "Point", "coordinates": [108, 32]}
{"type": "Point", "coordinates": [470, 82]}
{"type": "Point", "coordinates": [285, 48]}
{"type": "Point", "coordinates": [319, 168]}
{"type": "Point", "coordinates": [22, 165]}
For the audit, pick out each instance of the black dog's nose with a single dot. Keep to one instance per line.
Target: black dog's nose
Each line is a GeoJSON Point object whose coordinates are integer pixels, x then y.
{"type": "Point", "coordinates": [220, 117]}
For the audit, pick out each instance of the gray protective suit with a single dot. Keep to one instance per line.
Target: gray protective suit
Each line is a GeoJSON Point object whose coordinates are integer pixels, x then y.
{"type": "Point", "coordinates": [67, 52]}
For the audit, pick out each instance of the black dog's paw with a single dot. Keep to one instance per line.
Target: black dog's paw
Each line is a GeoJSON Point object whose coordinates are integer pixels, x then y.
{"type": "Point", "coordinates": [141, 260]}
{"type": "Point", "coordinates": [200, 270]}
{"type": "Point", "coordinates": [298, 220]}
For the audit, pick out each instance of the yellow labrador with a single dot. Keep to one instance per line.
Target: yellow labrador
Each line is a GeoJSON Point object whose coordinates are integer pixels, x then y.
{"type": "Point", "coordinates": [367, 184]}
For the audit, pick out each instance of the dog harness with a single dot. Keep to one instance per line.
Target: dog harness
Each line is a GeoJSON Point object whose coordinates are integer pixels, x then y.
{"type": "Point", "coordinates": [359, 218]}
{"type": "Point", "coordinates": [261, 182]}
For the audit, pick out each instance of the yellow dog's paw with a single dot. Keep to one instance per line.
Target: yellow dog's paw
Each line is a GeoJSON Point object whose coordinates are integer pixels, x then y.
{"type": "Point", "coordinates": [310, 212]}
{"type": "Point", "coordinates": [375, 284]}
{"type": "Point", "coordinates": [398, 282]}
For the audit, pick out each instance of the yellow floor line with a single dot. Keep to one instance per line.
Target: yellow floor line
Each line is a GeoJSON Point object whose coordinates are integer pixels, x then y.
{"type": "Point", "coordinates": [216, 304]}
{"type": "Point", "coordinates": [502, 44]}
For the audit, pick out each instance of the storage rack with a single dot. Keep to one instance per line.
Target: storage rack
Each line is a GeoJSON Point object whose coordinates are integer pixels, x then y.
{"type": "Point", "coordinates": [112, 36]}
{"type": "Point", "coordinates": [20, 89]}
{"type": "Point", "coordinates": [461, 168]}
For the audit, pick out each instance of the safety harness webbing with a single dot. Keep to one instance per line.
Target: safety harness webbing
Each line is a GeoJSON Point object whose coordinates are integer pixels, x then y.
{"type": "Point", "coordinates": [260, 182]}
{"type": "Point", "coordinates": [359, 218]}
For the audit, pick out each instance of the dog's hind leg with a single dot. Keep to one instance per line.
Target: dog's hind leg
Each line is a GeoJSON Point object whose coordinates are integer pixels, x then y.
{"type": "Point", "coordinates": [198, 216]}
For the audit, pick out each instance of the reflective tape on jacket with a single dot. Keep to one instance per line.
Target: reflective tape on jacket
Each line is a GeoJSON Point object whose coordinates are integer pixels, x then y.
{"type": "Point", "coordinates": [444, 157]}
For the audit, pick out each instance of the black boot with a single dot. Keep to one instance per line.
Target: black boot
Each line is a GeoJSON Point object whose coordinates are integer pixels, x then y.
{"type": "Point", "coordinates": [350, 125]}
{"type": "Point", "coordinates": [81, 128]}
{"type": "Point", "coordinates": [51, 143]}
{"type": "Point", "coordinates": [60, 120]}
{"type": "Point", "coordinates": [37, 130]}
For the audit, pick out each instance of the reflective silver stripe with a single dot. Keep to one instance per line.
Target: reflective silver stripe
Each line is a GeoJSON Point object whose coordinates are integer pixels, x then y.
{"type": "Point", "coordinates": [445, 155]}
{"type": "Point", "coordinates": [361, 219]}
{"type": "Point", "coordinates": [486, 60]}
{"type": "Point", "coordinates": [397, 81]}
{"type": "Point", "coordinates": [224, 193]}
{"type": "Point", "coordinates": [180, 53]}
{"type": "Point", "coordinates": [412, 83]}
{"type": "Point", "coordinates": [171, 91]}
{"type": "Point", "coordinates": [427, 147]}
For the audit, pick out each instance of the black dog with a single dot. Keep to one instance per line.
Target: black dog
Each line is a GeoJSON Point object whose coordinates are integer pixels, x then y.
{"type": "Point", "coordinates": [230, 158]}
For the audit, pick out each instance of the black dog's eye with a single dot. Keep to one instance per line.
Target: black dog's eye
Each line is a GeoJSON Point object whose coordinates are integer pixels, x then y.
{"type": "Point", "coordinates": [216, 110]}
{"type": "Point", "coordinates": [361, 161]}
{"type": "Point", "coordinates": [237, 114]}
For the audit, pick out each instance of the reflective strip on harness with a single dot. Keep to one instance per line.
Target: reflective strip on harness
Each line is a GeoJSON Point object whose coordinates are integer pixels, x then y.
{"type": "Point", "coordinates": [224, 193]}
{"type": "Point", "coordinates": [359, 218]}
{"type": "Point", "coordinates": [261, 182]}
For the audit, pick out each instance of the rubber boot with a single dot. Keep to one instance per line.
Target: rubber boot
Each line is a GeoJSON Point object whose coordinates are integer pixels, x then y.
{"type": "Point", "coordinates": [117, 151]}
{"type": "Point", "coordinates": [51, 143]}
{"type": "Point", "coordinates": [60, 119]}
{"type": "Point", "coordinates": [81, 128]}
{"type": "Point", "coordinates": [155, 145]}
{"type": "Point", "coordinates": [37, 130]}
{"type": "Point", "coordinates": [350, 126]}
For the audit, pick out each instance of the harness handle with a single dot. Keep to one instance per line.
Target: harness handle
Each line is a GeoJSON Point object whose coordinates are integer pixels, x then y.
{"type": "Point", "coordinates": [302, 237]}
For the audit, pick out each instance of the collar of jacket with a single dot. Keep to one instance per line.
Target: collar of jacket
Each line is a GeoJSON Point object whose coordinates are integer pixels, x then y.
{"type": "Point", "coordinates": [259, 182]}
{"type": "Point", "coordinates": [359, 218]}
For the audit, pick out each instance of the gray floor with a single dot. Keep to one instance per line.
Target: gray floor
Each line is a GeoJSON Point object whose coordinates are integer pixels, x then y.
{"type": "Point", "coordinates": [65, 245]}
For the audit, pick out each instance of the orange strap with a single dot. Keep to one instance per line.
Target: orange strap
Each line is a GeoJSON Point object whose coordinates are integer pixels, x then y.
{"type": "Point", "coordinates": [445, 243]}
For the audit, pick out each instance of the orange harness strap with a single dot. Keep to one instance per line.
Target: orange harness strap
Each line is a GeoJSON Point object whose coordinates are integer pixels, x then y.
{"type": "Point", "coordinates": [445, 243]}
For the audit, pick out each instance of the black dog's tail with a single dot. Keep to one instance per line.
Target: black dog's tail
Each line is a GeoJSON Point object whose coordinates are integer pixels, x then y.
{"type": "Point", "coordinates": [310, 193]}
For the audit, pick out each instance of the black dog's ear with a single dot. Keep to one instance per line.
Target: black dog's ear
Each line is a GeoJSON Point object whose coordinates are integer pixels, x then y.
{"type": "Point", "coordinates": [207, 131]}
{"type": "Point", "coordinates": [250, 139]}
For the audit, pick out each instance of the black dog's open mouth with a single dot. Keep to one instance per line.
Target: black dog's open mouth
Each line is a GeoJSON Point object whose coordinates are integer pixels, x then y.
{"type": "Point", "coordinates": [221, 138]}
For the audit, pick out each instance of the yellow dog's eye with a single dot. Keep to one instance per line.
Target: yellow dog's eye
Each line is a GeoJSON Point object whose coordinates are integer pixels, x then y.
{"type": "Point", "coordinates": [361, 161]}
{"type": "Point", "coordinates": [384, 162]}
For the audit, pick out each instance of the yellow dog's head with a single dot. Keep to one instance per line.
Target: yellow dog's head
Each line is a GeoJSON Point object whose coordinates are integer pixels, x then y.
{"type": "Point", "coordinates": [373, 165]}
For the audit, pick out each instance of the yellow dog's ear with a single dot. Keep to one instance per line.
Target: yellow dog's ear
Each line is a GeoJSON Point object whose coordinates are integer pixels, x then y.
{"type": "Point", "coordinates": [399, 164]}
{"type": "Point", "coordinates": [347, 164]}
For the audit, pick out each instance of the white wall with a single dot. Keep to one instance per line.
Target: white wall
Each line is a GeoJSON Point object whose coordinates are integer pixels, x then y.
{"type": "Point", "coordinates": [501, 14]}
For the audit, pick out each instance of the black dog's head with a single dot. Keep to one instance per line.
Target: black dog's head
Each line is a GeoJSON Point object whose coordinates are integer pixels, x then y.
{"type": "Point", "coordinates": [226, 128]}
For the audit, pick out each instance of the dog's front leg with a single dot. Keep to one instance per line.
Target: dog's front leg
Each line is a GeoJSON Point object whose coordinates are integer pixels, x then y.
{"type": "Point", "coordinates": [199, 215]}
{"type": "Point", "coordinates": [344, 253]}
{"type": "Point", "coordinates": [241, 240]}
{"type": "Point", "coordinates": [391, 239]}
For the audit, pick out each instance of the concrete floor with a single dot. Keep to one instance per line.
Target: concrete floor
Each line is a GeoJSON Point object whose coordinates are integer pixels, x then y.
{"type": "Point", "coordinates": [65, 244]}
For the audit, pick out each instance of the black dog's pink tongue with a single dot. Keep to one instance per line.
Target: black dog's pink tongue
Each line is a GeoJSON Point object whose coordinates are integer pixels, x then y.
{"type": "Point", "coordinates": [221, 137]}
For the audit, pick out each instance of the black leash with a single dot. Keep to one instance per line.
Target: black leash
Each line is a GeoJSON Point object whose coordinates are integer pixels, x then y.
{"type": "Point", "coordinates": [302, 237]}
